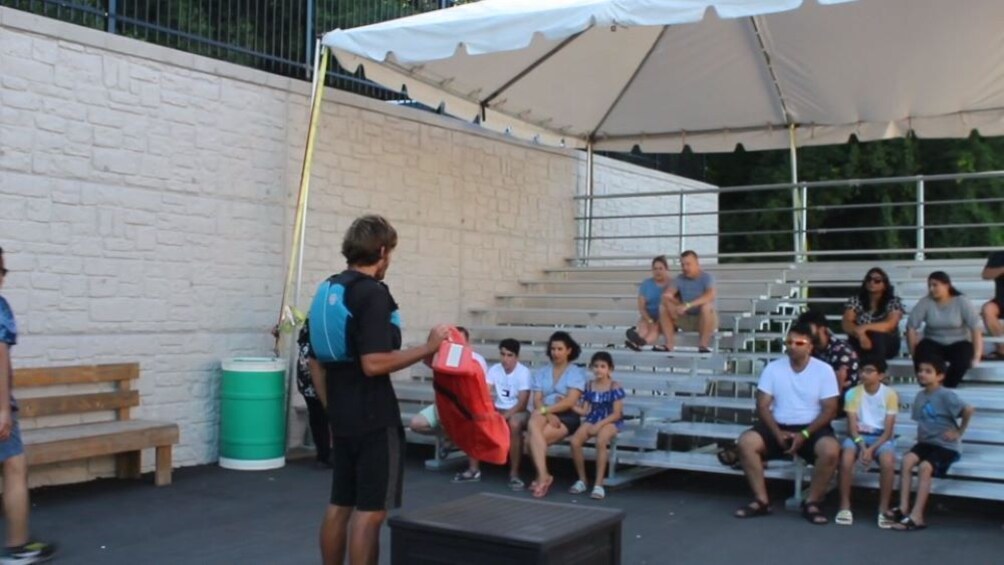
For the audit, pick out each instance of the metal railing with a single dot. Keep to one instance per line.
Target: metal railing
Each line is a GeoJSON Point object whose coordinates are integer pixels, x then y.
{"type": "Point", "coordinates": [892, 217]}
{"type": "Point", "coordinates": [276, 36]}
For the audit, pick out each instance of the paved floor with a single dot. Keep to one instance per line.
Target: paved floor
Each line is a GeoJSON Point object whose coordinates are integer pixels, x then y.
{"type": "Point", "coordinates": [210, 515]}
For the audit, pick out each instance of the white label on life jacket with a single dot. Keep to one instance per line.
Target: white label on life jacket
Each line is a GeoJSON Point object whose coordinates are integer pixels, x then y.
{"type": "Point", "coordinates": [453, 358]}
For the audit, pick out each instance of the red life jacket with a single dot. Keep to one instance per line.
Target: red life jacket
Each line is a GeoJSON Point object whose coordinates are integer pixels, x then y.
{"type": "Point", "coordinates": [464, 403]}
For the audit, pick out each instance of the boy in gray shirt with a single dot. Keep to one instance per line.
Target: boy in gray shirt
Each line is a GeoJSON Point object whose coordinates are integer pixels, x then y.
{"type": "Point", "coordinates": [938, 412]}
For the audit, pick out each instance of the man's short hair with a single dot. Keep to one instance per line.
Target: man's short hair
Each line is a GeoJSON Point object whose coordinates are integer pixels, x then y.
{"type": "Point", "coordinates": [801, 328]}
{"type": "Point", "coordinates": [467, 334]}
{"type": "Point", "coordinates": [689, 253]}
{"type": "Point", "coordinates": [365, 238]}
{"type": "Point", "coordinates": [511, 345]}
{"type": "Point", "coordinates": [814, 317]}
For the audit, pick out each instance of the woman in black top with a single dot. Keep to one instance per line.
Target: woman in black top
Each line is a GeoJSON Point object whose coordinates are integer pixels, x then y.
{"type": "Point", "coordinates": [871, 318]}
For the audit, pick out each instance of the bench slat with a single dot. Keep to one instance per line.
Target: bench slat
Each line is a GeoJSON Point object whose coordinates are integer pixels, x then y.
{"type": "Point", "coordinates": [77, 403]}
{"type": "Point", "coordinates": [66, 443]}
{"type": "Point", "coordinates": [48, 376]}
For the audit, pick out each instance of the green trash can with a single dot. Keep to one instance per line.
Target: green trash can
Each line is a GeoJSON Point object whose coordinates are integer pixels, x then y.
{"type": "Point", "coordinates": [252, 414]}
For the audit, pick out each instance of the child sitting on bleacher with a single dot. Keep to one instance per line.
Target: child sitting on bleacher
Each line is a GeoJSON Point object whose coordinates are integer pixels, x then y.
{"type": "Point", "coordinates": [871, 417]}
{"type": "Point", "coordinates": [602, 407]}
{"type": "Point", "coordinates": [937, 411]}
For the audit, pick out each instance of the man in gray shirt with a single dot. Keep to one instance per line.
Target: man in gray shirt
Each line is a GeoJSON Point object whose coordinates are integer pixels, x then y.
{"type": "Point", "coordinates": [690, 304]}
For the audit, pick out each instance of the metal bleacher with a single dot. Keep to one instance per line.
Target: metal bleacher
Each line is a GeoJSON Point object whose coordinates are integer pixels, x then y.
{"type": "Point", "coordinates": [683, 406]}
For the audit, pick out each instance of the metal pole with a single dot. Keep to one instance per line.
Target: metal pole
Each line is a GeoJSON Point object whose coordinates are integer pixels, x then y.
{"type": "Point", "coordinates": [681, 228]}
{"type": "Point", "coordinates": [309, 37]}
{"type": "Point", "coordinates": [113, 11]}
{"type": "Point", "coordinates": [920, 220]}
{"type": "Point", "coordinates": [797, 218]}
{"type": "Point", "coordinates": [587, 242]}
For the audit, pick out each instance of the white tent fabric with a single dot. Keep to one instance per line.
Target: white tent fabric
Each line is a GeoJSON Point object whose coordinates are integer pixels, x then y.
{"type": "Point", "coordinates": [709, 74]}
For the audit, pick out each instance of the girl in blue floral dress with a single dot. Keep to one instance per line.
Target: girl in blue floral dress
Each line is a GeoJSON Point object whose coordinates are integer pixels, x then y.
{"type": "Point", "coordinates": [603, 410]}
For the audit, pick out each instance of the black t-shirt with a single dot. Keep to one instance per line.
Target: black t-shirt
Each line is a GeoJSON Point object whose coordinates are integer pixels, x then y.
{"type": "Point", "coordinates": [995, 260]}
{"type": "Point", "coordinates": [358, 404]}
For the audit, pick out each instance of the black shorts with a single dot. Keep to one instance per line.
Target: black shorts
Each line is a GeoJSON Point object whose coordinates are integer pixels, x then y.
{"type": "Point", "coordinates": [777, 451]}
{"type": "Point", "coordinates": [940, 458]}
{"type": "Point", "coordinates": [571, 420]}
{"type": "Point", "coordinates": [368, 470]}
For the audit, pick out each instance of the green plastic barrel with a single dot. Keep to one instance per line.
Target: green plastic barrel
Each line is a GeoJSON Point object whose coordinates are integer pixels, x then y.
{"type": "Point", "coordinates": [252, 414]}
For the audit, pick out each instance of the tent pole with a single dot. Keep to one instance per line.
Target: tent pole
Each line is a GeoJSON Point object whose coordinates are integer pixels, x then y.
{"type": "Point", "coordinates": [588, 241]}
{"type": "Point", "coordinates": [799, 215]}
{"type": "Point", "coordinates": [287, 316]}
{"type": "Point", "coordinates": [306, 195]}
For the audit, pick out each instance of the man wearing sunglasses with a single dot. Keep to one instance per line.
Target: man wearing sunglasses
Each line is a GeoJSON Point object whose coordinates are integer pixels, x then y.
{"type": "Point", "coordinates": [796, 401]}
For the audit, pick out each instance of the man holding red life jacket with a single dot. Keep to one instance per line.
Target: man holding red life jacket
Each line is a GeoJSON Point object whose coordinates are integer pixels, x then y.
{"type": "Point", "coordinates": [359, 347]}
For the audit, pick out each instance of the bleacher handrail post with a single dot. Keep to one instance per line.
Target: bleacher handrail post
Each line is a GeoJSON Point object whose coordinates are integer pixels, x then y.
{"type": "Point", "coordinates": [920, 220]}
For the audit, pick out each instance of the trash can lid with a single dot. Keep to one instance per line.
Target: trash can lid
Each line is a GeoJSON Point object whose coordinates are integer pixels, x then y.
{"type": "Point", "coordinates": [254, 364]}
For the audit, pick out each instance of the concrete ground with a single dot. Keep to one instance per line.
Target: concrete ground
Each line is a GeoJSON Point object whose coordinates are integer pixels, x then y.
{"type": "Point", "coordinates": [210, 515]}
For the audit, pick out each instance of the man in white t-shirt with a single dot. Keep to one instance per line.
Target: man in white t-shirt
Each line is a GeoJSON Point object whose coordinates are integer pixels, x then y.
{"type": "Point", "coordinates": [509, 382]}
{"type": "Point", "coordinates": [796, 401]}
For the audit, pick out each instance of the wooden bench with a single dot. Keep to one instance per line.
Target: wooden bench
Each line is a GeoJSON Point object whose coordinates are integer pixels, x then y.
{"type": "Point", "coordinates": [123, 437]}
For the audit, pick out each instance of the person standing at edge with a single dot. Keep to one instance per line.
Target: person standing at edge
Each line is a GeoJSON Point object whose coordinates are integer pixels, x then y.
{"type": "Point", "coordinates": [368, 438]}
{"type": "Point", "coordinates": [18, 548]}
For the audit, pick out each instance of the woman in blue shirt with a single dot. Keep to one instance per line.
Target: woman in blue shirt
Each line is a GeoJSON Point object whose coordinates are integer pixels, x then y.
{"type": "Point", "coordinates": [650, 292]}
{"type": "Point", "coordinates": [556, 389]}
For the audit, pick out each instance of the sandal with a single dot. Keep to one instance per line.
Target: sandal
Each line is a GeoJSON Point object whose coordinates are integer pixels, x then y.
{"type": "Point", "coordinates": [516, 484]}
{"type": "Point", "coordinates": [541, 490]}
{"type": "Point", "coordinates": [753, 510]}
{"type": "Point", "coordinates": [599, 493]}
{"type": "Point", "coordinates": [634, 337]}
{"type": "Point", "coordinates": [885, 522]}
{"type": "Point", "coordinates": [845, 518]}
{"type": "Point", "coordinates": [467, 476]}
{"type": "Point", "coordinates": [632, 345]}
{"type": "Point", "coordinates": [729, 456]}
{"type": "Point", "coordinates": [578, 488]}
{"type": "Point", "coordinates": [894, 515]}
{"type": "Point", "coordinates": [661, 349]}
{"type": "Point", "coordinates": [812, 514]}
{"type": "Point", "coordinates": [908, 525]}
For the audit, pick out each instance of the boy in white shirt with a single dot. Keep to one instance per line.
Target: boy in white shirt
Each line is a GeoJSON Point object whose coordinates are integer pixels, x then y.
{"type": "Point", "coordinates": [509, 382]}
{"type": "Point", "coordinates": [871, 417]}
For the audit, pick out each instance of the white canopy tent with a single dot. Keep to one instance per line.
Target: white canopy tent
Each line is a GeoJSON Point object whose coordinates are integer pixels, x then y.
{"type": "Point", "coordinates": [709, 74]}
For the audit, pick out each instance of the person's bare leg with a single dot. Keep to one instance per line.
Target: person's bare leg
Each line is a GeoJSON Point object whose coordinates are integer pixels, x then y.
{"type": "Point", "coordinates": [473, 464]}
{"type": "Point", "coordinates": [538, 445]}
{"type": "Point", "coordinates": [517, 423]}
{"type": "Point", "coordinates": [364, 540]}
{"type": "Point", "coordinates": [578, 457]}
{"type": "Point", "coordinates": [707, 324]}
{"type": "Point", "coordinates": [991, 319]}
{"type": "Point", "coordinates": [925, 474]}
{"type": "Point", "coordinates": [751, 452]}
{"type": "Point", "coordinates": [648, 332]}
{"type": "Point", "coordinates": [827, 455]}
{"type": "Point", "coordinates": [910, 461]}
{"type": "Point", "coordinates": [847, 460]}
{"type": "Point", "coordinates": [334, 534]}
{"type": "Point", "coordinates": [15, 499]}
{"type": "Point", "coordinates": [603, 439]}
{"type": "Point", "coordinates": [887, 473]}
{"type": "Point", "coordinates": [420, 425]}
{"type": "Point", "coordinates": [666, 321]}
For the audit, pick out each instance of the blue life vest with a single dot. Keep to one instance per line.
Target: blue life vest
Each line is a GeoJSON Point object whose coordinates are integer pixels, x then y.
{"type": "Point", "coordinates": [329, 320]}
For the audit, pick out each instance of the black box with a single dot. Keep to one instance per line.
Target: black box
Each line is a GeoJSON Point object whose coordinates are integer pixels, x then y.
{"type": "Point", "coordinates": [490, 529]}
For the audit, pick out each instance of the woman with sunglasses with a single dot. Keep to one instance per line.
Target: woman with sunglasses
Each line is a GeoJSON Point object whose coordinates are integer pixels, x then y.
{"type": "Point", "coordinates": [951, 329]}
{"type": "Point", "coordinates": [871, 318]}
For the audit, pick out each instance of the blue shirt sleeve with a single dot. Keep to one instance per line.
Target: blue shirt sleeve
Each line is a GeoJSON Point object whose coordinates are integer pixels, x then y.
{"type": "Point", "coordinates": [577, 378]}
{"type": "Point", "coordinates": [8, 326]}
{"type": "Point", "coordinates": [536, 382]}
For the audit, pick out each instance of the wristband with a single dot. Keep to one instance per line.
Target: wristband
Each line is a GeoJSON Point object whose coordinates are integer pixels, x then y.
{"type": "Point", "coordinates": [543, 410]}
{"type": "Point", "coordinates": [686, 305]}
{"type": "Point", "coordinates": [859, 439]}
{"type": "Point", "coordinates": [805, 433]}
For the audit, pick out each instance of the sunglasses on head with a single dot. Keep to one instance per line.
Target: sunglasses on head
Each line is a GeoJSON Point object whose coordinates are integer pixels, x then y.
{"type": "Point", "coordinates": [798, 342]}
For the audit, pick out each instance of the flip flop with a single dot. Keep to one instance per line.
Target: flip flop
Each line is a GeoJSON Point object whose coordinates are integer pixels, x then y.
{"type": "Point", "coordinates": [754, 509]}
{"type": "Point", "coordinates": [542, 488]}
{"type": "Point", "coordinates": [908, 525]}
{"type": "Point", "coordinates": [812, 514]}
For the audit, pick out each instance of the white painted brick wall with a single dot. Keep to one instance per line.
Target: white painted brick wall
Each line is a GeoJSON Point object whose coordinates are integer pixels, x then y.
{"type": "Point", "coordinates": [146, 204]}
